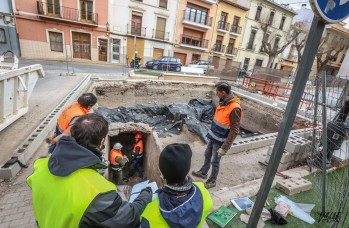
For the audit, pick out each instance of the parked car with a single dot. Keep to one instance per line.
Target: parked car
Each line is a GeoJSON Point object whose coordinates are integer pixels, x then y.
{"type": "Point", "coordinates": [164, 63]}
{"type": "Point", "coordinates": [203, 64]}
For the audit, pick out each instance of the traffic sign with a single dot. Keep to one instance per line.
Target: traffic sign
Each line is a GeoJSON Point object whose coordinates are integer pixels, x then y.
{"type": "Point", "coordinates": [331, 11]}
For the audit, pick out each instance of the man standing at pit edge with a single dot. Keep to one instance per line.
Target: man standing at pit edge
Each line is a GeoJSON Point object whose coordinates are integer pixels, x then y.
{"type": "Point", "coordinates": [224, 129]}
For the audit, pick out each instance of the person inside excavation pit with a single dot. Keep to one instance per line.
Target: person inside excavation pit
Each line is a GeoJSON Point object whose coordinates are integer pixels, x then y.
{"type": "Point", "coordinates": [68, 117]}
{"type": "Point", "coordinates": [117, 161]}
{"type": "Point", "coordinates": [137, 157]}
{"type": "Point", "coordinates": [180, 202]}
{"type": "Point", "coordinates": [68, 191]}
{"type": "Point", "coordinates": [224, 129]}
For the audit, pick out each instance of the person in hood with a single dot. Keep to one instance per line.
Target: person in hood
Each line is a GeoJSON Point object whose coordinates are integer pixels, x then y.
{"type": "Point", "coordinates": [224, 129]}
{"type": "Point", "coordinates": [67, 189]}
{"type": "Point", "coordinates": [181, 202]}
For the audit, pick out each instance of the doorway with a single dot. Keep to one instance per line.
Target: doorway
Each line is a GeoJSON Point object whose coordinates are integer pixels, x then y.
{"type": "Point", "coordinates": [102, 50]}
{"type": "Point", "coordinates": [81, 45]}
{"type": "Point", "coordinates": [115, 51]}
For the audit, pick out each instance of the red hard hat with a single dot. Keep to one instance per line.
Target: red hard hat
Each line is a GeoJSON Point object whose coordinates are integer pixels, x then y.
{"type": "Point", "coordinates": [138, 136]}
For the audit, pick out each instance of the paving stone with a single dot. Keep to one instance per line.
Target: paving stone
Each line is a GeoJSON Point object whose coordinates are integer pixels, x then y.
{"type": "Point", "coordinates": [293, 185]}
{"type": "Point", "coordinates": [20, 222]}
{"type": "Point", "coordinates": [12, 217]}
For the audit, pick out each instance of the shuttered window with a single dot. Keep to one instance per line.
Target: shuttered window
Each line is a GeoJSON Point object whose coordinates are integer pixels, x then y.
{"type": "Point", "coordinates": [2, 36]}
{"type": "Point", "coordinates": [163, 4]}
{"type": "Point", "coordinates": [56, 41]}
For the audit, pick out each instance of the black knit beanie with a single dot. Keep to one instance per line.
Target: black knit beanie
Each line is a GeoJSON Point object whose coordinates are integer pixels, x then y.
{"type": "Point", "coordinates": [174, 162]}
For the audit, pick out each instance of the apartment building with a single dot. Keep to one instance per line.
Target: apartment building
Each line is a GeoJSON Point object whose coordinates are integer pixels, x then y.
{"type": "Point", "coordinates": [279, 19]}
{"type": "Point", "coordinates": [60, 29]}
{"type": "Point", "coordinates": [194, 29]}
{"type": "Point", "coordinates": [8, 35]}
{"type": "Point", "coordinates": [145, 26]}
{"type": "Point", "coordinates": [229, 21]}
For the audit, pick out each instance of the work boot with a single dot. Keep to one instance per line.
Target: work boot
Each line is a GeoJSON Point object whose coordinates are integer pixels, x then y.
{"type": "Point", "coordinates": [199, 174]}
{"type": "Point", "coordinates": [210, 184]}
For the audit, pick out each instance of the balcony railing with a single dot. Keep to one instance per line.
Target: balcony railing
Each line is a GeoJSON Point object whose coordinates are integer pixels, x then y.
{"type": "Point", "coordinates": [231, 50]}
{"type": "Point", "coordinates": [219, 48]}
{"type": "Point", "coordinates": [197, 18]}
{"type": "Point", "coordinates": [66, 13]}
{"type": "Point", "coordinates": [236, 29]}
{"type": "Point", "coordinates": [136, 29]}
{"type": "Point", "coordinates": [161, 35]}
{"type": "Point", "coordinates": [222, 25]}
{"type": "Point", "coordinates": [194, 41]}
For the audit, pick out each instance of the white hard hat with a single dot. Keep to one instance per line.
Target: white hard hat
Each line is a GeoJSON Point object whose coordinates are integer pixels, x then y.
{"type": "Point", "coordinates": [117, 146]}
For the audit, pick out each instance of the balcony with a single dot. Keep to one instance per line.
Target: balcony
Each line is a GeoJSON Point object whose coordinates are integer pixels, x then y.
{"type": "Point", "coordinates": [219, 48]}
{"type": "Point", "coordinates": [235, 30]}
{"type": "Point", "coordinates": [209, 1]}
{"type": "Point", "coordinates": [223, 26]}
{"type": "Point", "coordinates": [57, 12]}
{"type": "Point", "coordinates": [135, 29]}
{"type": "Point", "coordinates": [231, 50]}
{"type": "Point", "coordinates": [197, 20]}
{"type": "Point", "coordinates": [251, 47]}
{"type": "Point", "coordinates": [194, 42]}
{"type": "Point", "coordinates": [161, 35]}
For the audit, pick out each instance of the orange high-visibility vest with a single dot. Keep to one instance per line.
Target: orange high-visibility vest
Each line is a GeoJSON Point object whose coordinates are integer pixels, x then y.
{"type": "Point", "coordinates": [221, 121]}
{"type": "Point", "coordinates": [140, 144]}
{"type": "Point", "coordinates": [69, 113]}
{"type": "Point", "coordinates": [113, 155]}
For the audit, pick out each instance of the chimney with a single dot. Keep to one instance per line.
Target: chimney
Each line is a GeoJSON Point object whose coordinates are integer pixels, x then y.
{"type": "Point", "coordinates": [304, 6]}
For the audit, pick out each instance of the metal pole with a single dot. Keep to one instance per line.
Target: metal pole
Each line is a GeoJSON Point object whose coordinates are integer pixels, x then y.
{"type": "Point", "coordinates": [324, 142]}
{"type": "Point", "coordinates": [134, 53]}
{"type": "Point", "coordinates": [310, 50]}
{"type": "Point", "coordinates": [66, 58]}
{"type": "Point", "coordinates": [314, 121]}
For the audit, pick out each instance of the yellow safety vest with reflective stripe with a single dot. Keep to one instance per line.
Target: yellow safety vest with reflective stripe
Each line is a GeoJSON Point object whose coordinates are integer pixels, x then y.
{"type": "Point", "coordinates": [153, 215]}
{"type": "Point", "coordinates": [221, 122]}
{"type": "Point", "coordinates": [62, 201]}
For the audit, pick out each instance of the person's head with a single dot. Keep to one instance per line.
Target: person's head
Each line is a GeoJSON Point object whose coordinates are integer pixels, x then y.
{"type": "Point", "coordinates": [90, 130]}
{"type": "Point", "coordinates": [138, 137]}
{"type": "Point", "coordinates": [222, 89]}
{"type": "Point", "coordinates": [87, 100]}
{"type": "Point", "coordinates": [117, 146]}
{"type": "Point", "coordinates": [174, 163]}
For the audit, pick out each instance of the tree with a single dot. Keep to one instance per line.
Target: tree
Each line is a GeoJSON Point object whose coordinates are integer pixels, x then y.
{"type": "Point", "coordinates": [274, 43]}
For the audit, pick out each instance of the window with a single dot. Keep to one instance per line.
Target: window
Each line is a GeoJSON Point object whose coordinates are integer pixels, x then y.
{"type": "Point", "coordinates": [231, 46]}
{"type": "Point", "coordinates": [160, 28]}
{"type": "Point", "coordinates": [86, 9]}
{"type": "Point", "coordinates": [136, 25]}
{"type": "Point", "coordinates": [222, 21]}
{"type": "Point", "coordinates": [251, 41]}
{"type": "Point", "coordinates": [282, 23]}
{"type": "Point", "coordinates": [163, 4]}
{"type": "Point", "coordinates": [276, 43]}
{"type": "Point", "coordinates": [218, 45]}
{"type": "Point", "coordinates": [271, 18]}
{"type": "Point", "coordinates": [259, 62]}
{"type": "Point", "coordinates": [276, 65]}
{"type": "Point", "coordinates": [258, 13]}
{"type": "Point", "coordinates": [56, 41]}
{"type": "Point", "coordinates": [196, 14]}
{"type": "Point", "coordinates": [266, 38]}
{"type": "Point", "coordinates": [53, 7]}
{"type": "Point", "coordinates": [235, 26]}
{"type": "Point", "coordinates": [246, 63]}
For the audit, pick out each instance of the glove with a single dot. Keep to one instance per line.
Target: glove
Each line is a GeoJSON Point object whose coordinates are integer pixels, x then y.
{"type": "Point", "coordinates": [147, 189]}
{"type": "Point", "coordinates": [221, 152]}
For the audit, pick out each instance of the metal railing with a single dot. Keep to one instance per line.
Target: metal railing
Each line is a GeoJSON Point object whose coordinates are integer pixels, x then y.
{"type": "Point", "coordinates": [222, 25]}
{"type": "Point", "coordinates": [197, 18]}
{"type": "Point", "coordinates": [236, 29]}
{"type": "Point", "coordinates": [136, 29]}
{"type": "Point", "coordinates": [57, 11]}
{"type": "Point", "coordinates": [194, 41]}
{"type": "Point", "coordinates": [231, 50]}
{"type": "Point", "coordinates": [161, 35]}
{"type": "Point", "coordinates": [219, 48]}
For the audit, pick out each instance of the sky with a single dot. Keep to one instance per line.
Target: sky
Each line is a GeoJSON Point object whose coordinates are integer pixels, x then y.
{"type": "Point", "coordinates": [296, 4]}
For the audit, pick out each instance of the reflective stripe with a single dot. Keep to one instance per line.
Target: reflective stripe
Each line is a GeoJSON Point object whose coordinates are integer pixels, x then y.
{"type": "Point", "coordinates": [216, 137]}
{"type": "Point", "coordinates": [221, 125]}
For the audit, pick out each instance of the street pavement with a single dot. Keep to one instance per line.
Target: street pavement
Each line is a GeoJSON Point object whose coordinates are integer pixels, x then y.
{"type": "Point", "coordinates": [15, 196]}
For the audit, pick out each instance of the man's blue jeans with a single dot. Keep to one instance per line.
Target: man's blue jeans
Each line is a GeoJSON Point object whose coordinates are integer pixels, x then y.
{"type": "Point", "coordinates": [211, 157]}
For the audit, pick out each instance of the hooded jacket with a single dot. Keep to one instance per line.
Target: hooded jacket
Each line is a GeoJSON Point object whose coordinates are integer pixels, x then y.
{"type": "Point", "coordinates": [107, 209]}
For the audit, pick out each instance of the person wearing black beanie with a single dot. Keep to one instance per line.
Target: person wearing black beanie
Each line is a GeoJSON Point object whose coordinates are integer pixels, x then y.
{"type": "Point", "coordinates": [179, 197]}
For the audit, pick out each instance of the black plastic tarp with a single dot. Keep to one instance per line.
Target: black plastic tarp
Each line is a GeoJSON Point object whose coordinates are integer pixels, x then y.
{"type": "Point", "coordinates": [166, 118]}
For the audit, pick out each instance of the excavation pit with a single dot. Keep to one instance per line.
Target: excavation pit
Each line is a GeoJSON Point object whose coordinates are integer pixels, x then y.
{"type": "Point", "coordinates": [236, 167]}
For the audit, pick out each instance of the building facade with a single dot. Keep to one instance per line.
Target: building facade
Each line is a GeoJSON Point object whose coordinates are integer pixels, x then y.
{"type": "Point", "coordinates": [279, 19]}
{"type": "Point", "coordinates": [63, 29]}
{"type": "Point", "coordinates": [8, 34]}
{"type": "Point", "coordinates": [229, 21]}
{"type": "Point", "coordinates": [194, 29]}
{"type": "Point", "coordinates": [143, 26]}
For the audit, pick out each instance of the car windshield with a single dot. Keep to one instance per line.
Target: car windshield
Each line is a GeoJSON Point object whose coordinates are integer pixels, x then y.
{"type": "Point", "coordinates": [195, 62]}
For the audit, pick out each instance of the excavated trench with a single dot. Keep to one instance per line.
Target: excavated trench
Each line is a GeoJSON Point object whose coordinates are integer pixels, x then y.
{"type": "Point", "coordinates": [235, 169]}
